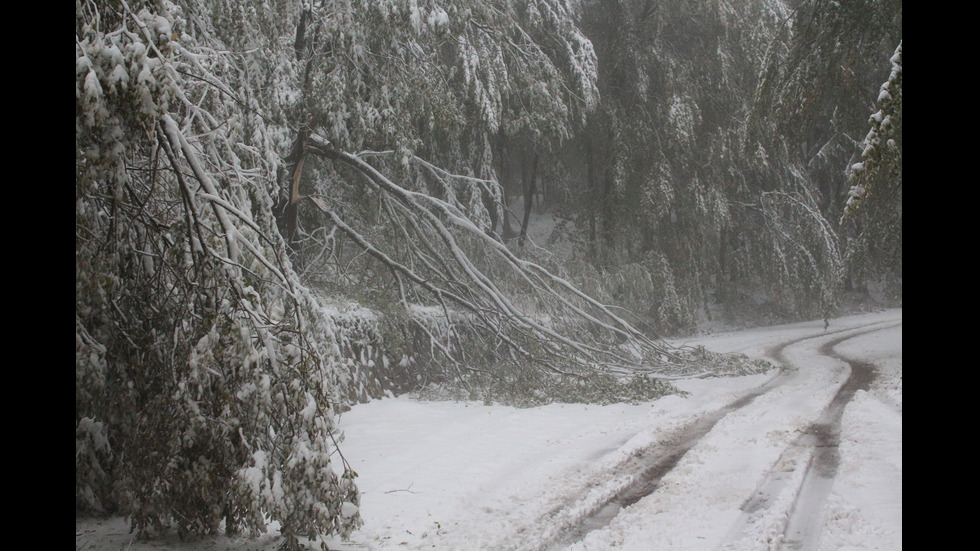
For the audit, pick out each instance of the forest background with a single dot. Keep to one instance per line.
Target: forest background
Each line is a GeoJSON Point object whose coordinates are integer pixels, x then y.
{"type": "Point", "coordinates": [283, 208]}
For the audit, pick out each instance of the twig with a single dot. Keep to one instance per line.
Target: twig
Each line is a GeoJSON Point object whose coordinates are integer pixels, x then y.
{"type": "Point", "coordinates": [409, 490]}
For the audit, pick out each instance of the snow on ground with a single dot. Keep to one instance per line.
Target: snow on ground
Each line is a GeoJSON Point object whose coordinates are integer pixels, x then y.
{"type": "Point", "coordinates": [467, 476]}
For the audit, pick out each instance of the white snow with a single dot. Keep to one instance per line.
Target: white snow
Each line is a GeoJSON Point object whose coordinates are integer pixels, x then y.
{"type": "Point", "coordinates": [438, 18]}
{"type": "Point", "coordinates": [467, 476]}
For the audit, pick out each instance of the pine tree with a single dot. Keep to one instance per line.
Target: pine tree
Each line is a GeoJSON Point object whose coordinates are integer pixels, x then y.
{"type": "Point", "coordinates": [207, 376]}
{"type": "Point", "coordinates": [214, 166]}
{"type": "Point", "coordinates": [872, 218]}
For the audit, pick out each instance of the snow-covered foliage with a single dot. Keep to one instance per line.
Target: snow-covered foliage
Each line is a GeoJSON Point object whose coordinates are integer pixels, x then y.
{"type": "Point", "coordinates": [675, 198]}
{"type": "Point", "coordinates": [237, 162]}
{"type": "Point", "coordinates": [521, 69]}
{"type": "Point", "coordinates": [872, 219]}
{"type": "Point", "coordinates": [713, 162]}
{"type": "Point", "coordinates": [490, 315]}
{"type": "Point", "coordinates": [208, 374]}
{"type": "Point", "coordinates": [881, 155]}
{"type": "Point", "coordinates": [207, 378]}
{"type": "Point", "coordinates": [813, 97]}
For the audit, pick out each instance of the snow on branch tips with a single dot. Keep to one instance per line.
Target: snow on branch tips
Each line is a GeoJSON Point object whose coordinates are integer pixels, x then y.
{"type": "Point", "coordinates": [200, 355]}
{"type": "Point", "coordinates": [881, 156]}
{"type": "Point", "coordinates": [526, 317]}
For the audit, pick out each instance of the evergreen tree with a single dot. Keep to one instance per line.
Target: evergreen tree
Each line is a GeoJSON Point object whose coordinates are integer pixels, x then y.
{"type": "Point", "coordinates": [680, 212]}
{"type": "Point", "coordinates": [207, 376]}
{"type": "Point", "coordinates": [872, 216]}
{"type": "Point", "coordinates": [208, 373]}
{"type": "Point", "coordinates": [813, 102]}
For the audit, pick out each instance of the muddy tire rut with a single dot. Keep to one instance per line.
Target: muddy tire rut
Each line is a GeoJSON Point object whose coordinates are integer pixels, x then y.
{"type": "Point", "coordinates": [640, 476]}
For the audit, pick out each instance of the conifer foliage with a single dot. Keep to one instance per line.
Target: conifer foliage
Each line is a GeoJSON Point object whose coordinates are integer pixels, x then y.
{"type": "Point", "coordinates": [242, 168]}
{"type": "Point", "coordinates": [208, 375]}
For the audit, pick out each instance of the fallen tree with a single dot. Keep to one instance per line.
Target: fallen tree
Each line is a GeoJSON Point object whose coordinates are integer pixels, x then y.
{"type": "Point", "coordinates": [208, 372]}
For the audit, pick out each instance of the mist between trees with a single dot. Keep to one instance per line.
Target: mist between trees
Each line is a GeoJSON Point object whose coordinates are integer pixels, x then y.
{"type": "Point", "coordinates": [284, 208]}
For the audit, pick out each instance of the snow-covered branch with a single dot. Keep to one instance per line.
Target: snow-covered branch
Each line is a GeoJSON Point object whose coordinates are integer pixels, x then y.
{"type": "Point", "coordinates": [881, 154]}
{"type": "Point", "coordinates": [448, 256]}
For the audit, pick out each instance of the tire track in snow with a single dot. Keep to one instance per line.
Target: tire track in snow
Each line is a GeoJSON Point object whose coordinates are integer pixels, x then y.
{"type": "Point", "coordinates": [788, 503]}
{"type": "Point", "coordinates": [805, 522]}
{"type": "Point", "coordinates": [640, 475]}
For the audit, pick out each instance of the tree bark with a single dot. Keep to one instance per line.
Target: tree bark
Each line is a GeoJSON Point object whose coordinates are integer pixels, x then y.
{"type": "Point", "coordinates": [594, 195]}
{"type": "Point", "coordinates": [530, 188]}
{"type": "Point", "coordinates": [291, 210]}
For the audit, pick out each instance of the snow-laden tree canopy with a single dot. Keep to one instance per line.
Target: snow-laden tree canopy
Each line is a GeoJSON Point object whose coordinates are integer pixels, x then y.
{"type": "Point", "coordinates": [207, 377]}
{"type": "Point", "coordinates": [687, 203]}
{"type": "Point", "coordinates": [208, 373]}
{"type": "Point", "coordinates": [881, 155]}
{"type": "Point", "coordinates": [284, 207]}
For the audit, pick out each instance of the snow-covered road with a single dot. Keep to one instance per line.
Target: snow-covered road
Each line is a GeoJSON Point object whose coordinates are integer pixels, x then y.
{"type": "Point", "coordinates": [761, 462]}
{"type": "Point", "coordinates": [741, 463]}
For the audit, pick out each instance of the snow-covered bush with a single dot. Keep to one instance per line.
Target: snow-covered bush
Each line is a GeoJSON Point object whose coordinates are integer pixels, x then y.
{"type": "Point", "coordinates": [207, 376]}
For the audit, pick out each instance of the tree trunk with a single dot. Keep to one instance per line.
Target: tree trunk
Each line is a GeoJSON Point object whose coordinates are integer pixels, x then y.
{"type": "Point", "coordinates": [593, 196]}
{"type": "Point", "coordinates": [529, 190]}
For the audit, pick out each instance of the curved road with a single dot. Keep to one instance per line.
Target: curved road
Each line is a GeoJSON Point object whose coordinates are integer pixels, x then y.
{"type": "Point", "coordinates": [806, 457]}
{"type": "Point", "coordinates": [780, 507]}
